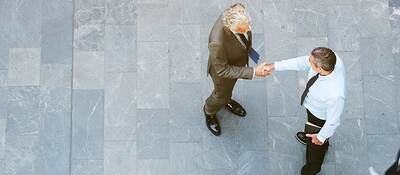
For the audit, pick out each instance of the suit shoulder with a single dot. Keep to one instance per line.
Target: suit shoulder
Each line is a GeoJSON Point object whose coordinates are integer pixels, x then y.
{"type": "Point", "coordinates": [217, 32]}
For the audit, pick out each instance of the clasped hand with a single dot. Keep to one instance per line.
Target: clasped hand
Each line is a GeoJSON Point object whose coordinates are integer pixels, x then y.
{"type": "Point", "coordinates": [264, 69]}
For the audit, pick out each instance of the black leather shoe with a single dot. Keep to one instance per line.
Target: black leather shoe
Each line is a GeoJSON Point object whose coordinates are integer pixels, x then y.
{"type": "Point", "coordinates": [236, 108]}
{"type": "Point", "coordinates": [302, 138]}
{"type": "Point", "coordinates": [212, 123]}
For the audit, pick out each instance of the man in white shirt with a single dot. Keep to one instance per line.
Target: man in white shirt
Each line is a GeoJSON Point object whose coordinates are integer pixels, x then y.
{"type": "Point", "coordinates": [323, 98]}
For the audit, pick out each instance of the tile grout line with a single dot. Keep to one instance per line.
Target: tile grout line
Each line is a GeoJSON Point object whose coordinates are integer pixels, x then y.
{"type": "Point", "coordinates": [72, 83]}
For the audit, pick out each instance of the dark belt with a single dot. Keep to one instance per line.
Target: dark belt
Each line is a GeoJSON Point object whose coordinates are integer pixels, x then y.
{"type": "Point", "coordinates": [314, 120]}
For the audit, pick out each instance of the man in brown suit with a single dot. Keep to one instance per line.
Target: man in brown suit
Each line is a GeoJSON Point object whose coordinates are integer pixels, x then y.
{"type": "Point", "coordinates": [229, 45]}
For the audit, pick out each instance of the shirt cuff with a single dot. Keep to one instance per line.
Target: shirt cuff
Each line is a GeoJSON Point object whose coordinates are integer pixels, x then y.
{"type": "Point", "coordinates": [254, 72]}
{"type": "Point", "coordinates": [320, 138]}
{"type": "Point", "coordinates": [278, 65]}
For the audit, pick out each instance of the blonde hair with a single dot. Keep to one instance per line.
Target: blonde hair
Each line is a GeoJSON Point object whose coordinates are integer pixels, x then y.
{"type": "Point", "coordinates": [234, 15]}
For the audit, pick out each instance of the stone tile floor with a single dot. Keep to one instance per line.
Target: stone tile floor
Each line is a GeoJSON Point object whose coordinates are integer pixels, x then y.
{"type": "Point", "coordinates": [116, 87]}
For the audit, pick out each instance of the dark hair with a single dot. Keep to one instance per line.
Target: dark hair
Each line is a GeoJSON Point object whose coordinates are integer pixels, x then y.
{"type": "Point", "coordinates": [237, 4]}
{"type": "Point", "coordinates": [325, 58]}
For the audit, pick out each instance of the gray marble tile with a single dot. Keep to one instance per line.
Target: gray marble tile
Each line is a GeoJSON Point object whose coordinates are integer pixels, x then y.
{"type": "Point", "coordinates": [56, 75]}
{"type": "Point", "coordinates": [152, 86]}
{"type": "Point", "coordinates": [306, 44]}
{"type": "Point", "coordinates": [187, 129]}
{"type": "Point", "coordinates": [20, 155]}
{"type": "Point", "coordinates": [385, 152]}
{"type": "Point", "coordinates": [153, 167]}
{"type": "Point", "coordinates": [120, 106]}
{"type": "Point", "coordinates": [252, 95]}
{"type": "Point", "coordinates": [252, 134]}
{"type": "Point", "coordinates": [57, 9]}
{"type": "Point", "coordinates": [252, 162]}
{"type": "Point", "coordinates": [394, 19]}
{"type": "Point", "coordinates": [354, 85]}
{"type": "Point", "coordinates": [218, 171]}
{"type": "Point", "coordinates": [4, 58]}
{"type": "Point", "coordinates": [343, 29]}
{"type": "Point", "coordinates": [328, 169]}
{"type": "Point", "coordinates": [350, 143]}
{"type": "Point", "coordinates": [184, 55]}
{"type": "Point", "coordinates": [87, 167]}
{"type": "Point", "coordinates": [24, 67]}
{"type": "Point", "coordinates": [2, 137]}
{"type": "Point", "coordinates": [380, 103]}
{"type": "Point", "coordinates": [181, 12]}
{"type": "Point", "coordinates": [374, 18]}
{"type": "Point", "coordinates": [394, 3]}
{"type": "Point", "coordinates": [89, 12]}
{"type": "Point", "coordinates": [377, 51]}
{"type": "Point", "coordinates": [280, 30]}
{"type": "Point", "coordinates": [153, 22]}
{"type": "Point", "coordinates": [283, 95]}
{"type": "Point", "coordinates": [54, 145]}
{"type": "Point", "coordinates": [56, 31]}
{"type": "Point", "coordinates": [220, 152]}
{"type": "Point", "coordinates": [284, 164]}
{"type": "Point", "coordinates": [119, 157]}
{"type": "Point", "coordinates": [120, 11]}
{"type": "Point", "coordinates": [3, 106]}
{"type": "Point", "coordinates": [185, 158]}
{"type": "Point", "coordinates": [210, 10]}
{"type": "Point", "coordinates": [55, 99]}
{"type": "Point", "coordinates": [287, 128]}
{"type": "Point", "coordinates": [89, 37]}
{"type": "Point", "coordinates": [152, 2]}
{"type": "Point", "coordinates": [2, 165]}
{"type": "Point", "coordinates": [22, 24]}
{"type": "Point", "coordinates": [311, 18]}
{"type": "Point", "coordinates": [153, 134]}
{"type": "Point", "coordinates": [396, 49]}
{"type": "Point", "coordinates": [87, 124]}
{"type": "Point", "coordinates": [88, 70]}
{"type": "Point", "coordinates": [3, 77]}
{"type": "Point", "coordinates": [185, 99]}
{"type": "Point", "coordinates": [120, 48]}
{"type": "Point", "coordinates": [23, 111]}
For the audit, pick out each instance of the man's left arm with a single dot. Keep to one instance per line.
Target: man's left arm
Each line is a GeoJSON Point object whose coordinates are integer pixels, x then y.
{"type": "Point", "coordinates": [334, 112]}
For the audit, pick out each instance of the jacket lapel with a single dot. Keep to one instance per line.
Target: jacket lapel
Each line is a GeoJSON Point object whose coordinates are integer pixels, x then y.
{"type": "Point", "coordinates": [233, 38]}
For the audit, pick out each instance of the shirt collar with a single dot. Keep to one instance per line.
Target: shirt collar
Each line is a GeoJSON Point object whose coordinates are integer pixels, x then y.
{"type": "Point", "coordinates": [326, 77]}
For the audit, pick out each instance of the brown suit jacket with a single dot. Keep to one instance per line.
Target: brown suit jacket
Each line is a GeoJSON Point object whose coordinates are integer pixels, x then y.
{"type": "Point", "coordinates": [228, 57]}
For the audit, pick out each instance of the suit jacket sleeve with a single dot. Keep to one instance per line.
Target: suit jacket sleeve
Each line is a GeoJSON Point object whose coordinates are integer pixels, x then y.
{"type": "Point", "coordinates": [225, 70]}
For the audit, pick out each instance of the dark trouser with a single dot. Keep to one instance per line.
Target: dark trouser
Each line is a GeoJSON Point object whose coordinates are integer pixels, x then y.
{"type": "Point", "coordinates": [221, 94]}
{"type": "Point", "coordinates": [393, 170]}
{"type": "Point", "coordinates": [314, 153]}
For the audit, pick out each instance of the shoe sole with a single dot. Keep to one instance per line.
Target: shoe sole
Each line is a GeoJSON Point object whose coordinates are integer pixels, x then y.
{"type": "Point", "coordinates": [300, 140]}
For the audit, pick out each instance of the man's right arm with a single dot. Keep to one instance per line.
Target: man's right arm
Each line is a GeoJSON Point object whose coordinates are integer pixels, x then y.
{"type": "Point", "coordinates": [297, 64]}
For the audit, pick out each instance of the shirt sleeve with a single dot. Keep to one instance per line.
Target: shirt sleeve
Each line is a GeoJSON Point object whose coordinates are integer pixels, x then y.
{"type": "Point", "coordinates": [298, 64]}
{"type": "Point", "coordinates": [333, 119]}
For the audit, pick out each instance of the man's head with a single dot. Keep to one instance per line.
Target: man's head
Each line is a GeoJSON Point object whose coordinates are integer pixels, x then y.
{"type": "Point", "coordinates": [322, 60]}
{"type": "Point", "coordinates": [236, 19]}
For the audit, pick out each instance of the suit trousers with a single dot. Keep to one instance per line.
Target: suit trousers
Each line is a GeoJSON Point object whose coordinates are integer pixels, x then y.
{"type": "Point", "coordinates": [315, 154]}
{"type": "Point", "coordinates": [222, 93]}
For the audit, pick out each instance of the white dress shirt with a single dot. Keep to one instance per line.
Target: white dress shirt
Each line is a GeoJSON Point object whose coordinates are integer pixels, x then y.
{"type": "Point", "coordinates": [325, 98]}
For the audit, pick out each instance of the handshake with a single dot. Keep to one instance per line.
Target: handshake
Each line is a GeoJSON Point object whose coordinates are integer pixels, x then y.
{"type": "Point", "coordinates": [264, 69]}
